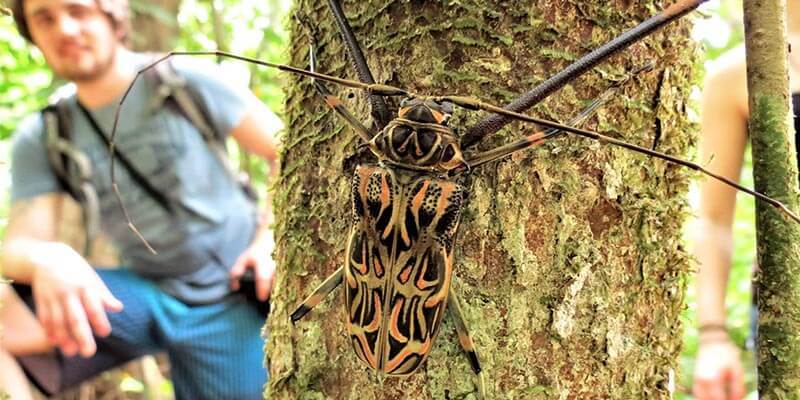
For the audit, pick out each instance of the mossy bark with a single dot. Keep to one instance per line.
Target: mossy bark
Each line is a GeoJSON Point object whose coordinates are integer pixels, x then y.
{"type": "Point", "coordinates": [569, 259]}
{"type": "Point", "coordinates": [156, 23]}
{"type": "Point", "coordinates": [775, 174]}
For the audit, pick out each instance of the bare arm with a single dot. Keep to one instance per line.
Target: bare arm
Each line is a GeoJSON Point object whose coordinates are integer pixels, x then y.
{"type": "Point", "coordinates": [718, 371]}
{"type": "Point", "coordinates": [30, 234]}
{"type": "Point", "coordinates": [722, 140]}
{"type": "Point", "coordinates": [70, 298]}
{"type": "Point", "coordinates": [253, 133]}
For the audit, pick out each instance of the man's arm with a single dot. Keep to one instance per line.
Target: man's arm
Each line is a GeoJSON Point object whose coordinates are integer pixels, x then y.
{"type": "Point", "coordinates": [718, 370]}
{"type": "Point", "coordinates": [70, 298]}
{"type": "Point", "coordinates": [253, 133]}
{"type": "Point", "coordinates": [30, 236]}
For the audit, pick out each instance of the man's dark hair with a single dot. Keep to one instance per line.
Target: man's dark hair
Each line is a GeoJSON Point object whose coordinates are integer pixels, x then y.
{"type": "Point", "coordinates": [117, 10]}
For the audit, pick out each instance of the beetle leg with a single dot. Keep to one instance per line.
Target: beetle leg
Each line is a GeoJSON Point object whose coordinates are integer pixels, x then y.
{"type": "Point", "coordinates": [378, 107]}
{"type": "Point", "coordinates": [493, 123]}
{"type": "Point", "coordinates": [330, 99]}
{"type": "Point", "coordinates": [539, 137]}
{"type": "Point", "coordinates": [497, 153]}
{"type": "Point", "coordinates": [330, 283]}
{"type": "Point", "coordinates": [465, 340]}
{"type": "Point", "coordinates": [475, 104]}
{"type": "Point", "coordinates": [535, 139]}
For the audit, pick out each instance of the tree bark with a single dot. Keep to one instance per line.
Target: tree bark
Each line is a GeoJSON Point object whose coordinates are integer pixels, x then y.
{"type": "Point", "coordinates": [156, 23]}
{"type": "Point", "coordinates": [569, 260]}
{"type": "Point", "coordinates": [775, 174]}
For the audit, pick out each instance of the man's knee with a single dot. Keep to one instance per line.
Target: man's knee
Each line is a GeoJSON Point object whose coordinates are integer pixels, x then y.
{"type": "Point", "coordinates": [13, 382]}
{"type": "Point", "coordinates": [21, 332]}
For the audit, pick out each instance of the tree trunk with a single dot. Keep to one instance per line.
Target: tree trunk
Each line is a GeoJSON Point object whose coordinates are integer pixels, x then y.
{"type": "Point", "coordinates": [775, 174]}
{"type": "Point", "coordinates": [156, 23]}
{"type": "Point", "coordinates": [569, 259]}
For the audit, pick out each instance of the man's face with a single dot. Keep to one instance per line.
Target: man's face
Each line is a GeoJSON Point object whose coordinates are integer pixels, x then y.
{"type": "Point", "coordinates": [77, 39]}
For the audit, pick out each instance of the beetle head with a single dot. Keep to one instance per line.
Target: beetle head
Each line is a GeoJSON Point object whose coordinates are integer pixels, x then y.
{"type": "Point", "coordinates": [419, 137]}
{"type": "Point", "coordinates": [425, 111]}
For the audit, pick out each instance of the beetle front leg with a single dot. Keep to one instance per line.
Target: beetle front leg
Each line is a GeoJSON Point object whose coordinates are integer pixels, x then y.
{"type": "Point", "coordinates": [324, 289]}
{"type": "Point", "coordinates": [493, 123]}
{"type": "Point", "coordinates": [330, 99]}
{"type": "Point", "coordinates": [465, 340]}
{"type": "Point", "coordinates": [539, 137]}
{"type": "Point", "coordinates": [378, 107]}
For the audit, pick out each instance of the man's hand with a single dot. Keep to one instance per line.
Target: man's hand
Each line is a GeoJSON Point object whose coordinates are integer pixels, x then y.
{"type": "Point", "coordinates": [718, 373]}
{"type": "Point", "coordinates": [257, 257]}
{"type": "Point", "coordinates": [71, 301]}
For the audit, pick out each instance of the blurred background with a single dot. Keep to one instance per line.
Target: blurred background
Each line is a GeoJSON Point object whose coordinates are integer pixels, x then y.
{"type": "Point", "coordinates": [257, 29]}
{"type": "Point", "coordinates": [720, 32]}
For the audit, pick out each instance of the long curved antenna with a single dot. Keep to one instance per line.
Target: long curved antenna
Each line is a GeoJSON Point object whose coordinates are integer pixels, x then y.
{"type": "Point", "coordinates": [379, 89]}
{"type": "Point", "coordinates": [494, 123]}
{"type": "Point", "coordinates": [461, 101]}
{"type": "Point", "coordinates": [327, 96]}
{"type": "Point", "coordinates": [475, 104]}
{"type": "Point", "coordinates": [470, 103]}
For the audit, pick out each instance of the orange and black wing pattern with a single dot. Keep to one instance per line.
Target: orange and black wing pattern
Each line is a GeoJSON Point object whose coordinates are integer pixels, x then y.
{"type": "Point", "coordinates": [399, 266]}
{"type": "Point", "coordinates": [375, 196]}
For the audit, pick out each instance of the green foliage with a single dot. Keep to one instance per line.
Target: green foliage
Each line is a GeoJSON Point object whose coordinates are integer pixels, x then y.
{"type": "Point", "coordinates": [724, 29]}
{"type": "Point", "coordinates": [248, 28]}
{"type": "Point", "coordinates": [255, 29]}
{"type": "Point", "coordinates": [24, 82]}
{"type": "Point", "coordinates": [25, 85]}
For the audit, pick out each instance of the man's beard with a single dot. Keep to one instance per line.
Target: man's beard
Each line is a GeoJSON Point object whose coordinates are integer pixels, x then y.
{"type": "Point", "coordinates": [101, 65]}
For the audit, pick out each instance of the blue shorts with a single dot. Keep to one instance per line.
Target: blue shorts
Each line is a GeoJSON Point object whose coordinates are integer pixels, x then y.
{"type": "Point", "coordinates": [215, 351]}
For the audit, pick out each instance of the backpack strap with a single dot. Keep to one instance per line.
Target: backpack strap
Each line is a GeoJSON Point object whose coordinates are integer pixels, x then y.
{"type": "Point", "coordinates": [72, 168]}
{"type": "Point", "coordinates": [141, 180]}
{"type": "Point", "coordinates": [171, 85]}
{"type": "Point", "coordinates": [192, 107]}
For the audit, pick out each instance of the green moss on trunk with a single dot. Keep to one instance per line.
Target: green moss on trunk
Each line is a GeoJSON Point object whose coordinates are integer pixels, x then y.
{"type": "Point", "coordinates": [569, 259]}
{"type": "Point", "coordinates": [775, 174]}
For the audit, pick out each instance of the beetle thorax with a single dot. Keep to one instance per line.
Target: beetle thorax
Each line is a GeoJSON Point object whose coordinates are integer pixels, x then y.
{"type": "Point", "coordinates": [420, 138]}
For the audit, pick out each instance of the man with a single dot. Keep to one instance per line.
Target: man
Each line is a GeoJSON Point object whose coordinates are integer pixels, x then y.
{"type": "Point", "coordinates": [64, 321]}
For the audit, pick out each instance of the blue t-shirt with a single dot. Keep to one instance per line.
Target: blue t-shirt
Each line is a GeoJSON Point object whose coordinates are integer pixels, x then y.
{"type": "Point", "coordinates": [195, 248]}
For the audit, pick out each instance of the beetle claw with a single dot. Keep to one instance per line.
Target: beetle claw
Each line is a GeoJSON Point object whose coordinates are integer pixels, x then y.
{"type": "Point", "coordinates": [300, 312]}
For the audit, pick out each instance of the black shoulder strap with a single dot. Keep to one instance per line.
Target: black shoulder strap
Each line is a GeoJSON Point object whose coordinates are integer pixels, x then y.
{"type": "Point", "coordinates": [173, 86]}
{"type": "Point", "coordinates": [137, 176]}
{"type": "Point", "coordinates": [190, 104]}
